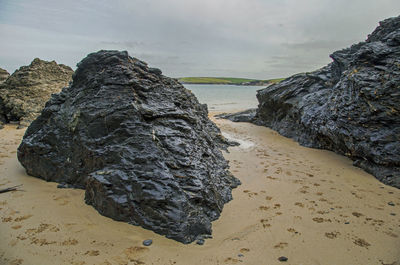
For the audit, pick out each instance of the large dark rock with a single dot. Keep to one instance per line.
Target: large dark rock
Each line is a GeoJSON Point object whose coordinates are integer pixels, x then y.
{"type": "Point", "coordinates": [3, 75]}
{"type": "Point", "coordinates": [139, 143]}
{"type": "Point", "coordinates": [24, 94]}
{"type": "Point", "coordinates": [351, 106]}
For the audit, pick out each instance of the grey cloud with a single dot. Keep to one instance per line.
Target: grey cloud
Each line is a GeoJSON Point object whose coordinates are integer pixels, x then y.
{"type": "Point", "coordinates": [252, 38]}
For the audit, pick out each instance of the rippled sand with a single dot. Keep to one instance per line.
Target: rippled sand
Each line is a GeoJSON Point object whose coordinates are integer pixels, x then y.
{"type": "Point", "coordinates": [311, 206]}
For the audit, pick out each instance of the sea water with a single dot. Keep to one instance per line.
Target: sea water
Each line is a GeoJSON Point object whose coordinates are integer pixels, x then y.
{"type": "Point", "coordinates": [226, 98]}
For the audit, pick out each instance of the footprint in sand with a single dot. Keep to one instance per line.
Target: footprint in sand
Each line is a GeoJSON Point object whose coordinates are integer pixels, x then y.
{"type": "Point", "coordinates": [321, 220]}
{"type": "Point", "coordinates": [293, 231]}
{"type": "Point", "coordinates": [332, 235]}
{"type": "Point", "coordinates": [263, 208]}
{"type": "Point", "coordinates": [6, 219]}
{"type": "Point", "coordinates": [361, 242]}
{"type": "Point", "coordinates": [299, 204]}
{"type": "Point", "coordinates": [133, 252]}
{"type": "Point", "coordinates": [281, 245]}
{"type": "Point", "coordinates": [356, 195]}
{"type": "Point", "coordinates": [265, 223]}
{"type": "Point", "coordinates": [356, 214]}
{"type": "Point", "coordinates": [391, 234]}
{"type": "Point", "coordinates": [277, 206]}
{"type": "Point", "coordinates": [22, 218]}
{"type": "Point", "coordinates": [92, 253]}
{"type": "Point", "coordinates": [298, 181]}
{"type": "Point", "coordinates": [40, 241]}
{"type": "Point", "coordinates": [106, 262]}
{"type": "Point", "coordinates": [231, 260]}
{"type": "Point", "coordinates": [244, 250]}
{"type": "Point", "coordinates": [69, 242]}
{"type": "Point", "coordinates": [250, 193]}
{"type": "Point", "coordinates": [16, 262]}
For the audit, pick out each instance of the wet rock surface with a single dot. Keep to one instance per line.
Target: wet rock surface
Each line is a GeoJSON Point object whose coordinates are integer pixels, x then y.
{"type": "Point", "coordinates": [139, 143]}
{"type": "Point", "coordinates": [351, 106]}
{"type": "Point", "coordinates": [24, 93]}
{"type": "Point", "coordinates": [243, 116]}
{"type": "Point", "coordinates": [3, 75]}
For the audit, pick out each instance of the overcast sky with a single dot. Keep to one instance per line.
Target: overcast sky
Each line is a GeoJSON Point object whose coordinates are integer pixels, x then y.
{"type": "Point", "coordinates": [243, 38]}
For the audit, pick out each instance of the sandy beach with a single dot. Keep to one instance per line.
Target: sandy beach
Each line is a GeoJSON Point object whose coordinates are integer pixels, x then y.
{"type": "Point", "coordinates": [311, 206]}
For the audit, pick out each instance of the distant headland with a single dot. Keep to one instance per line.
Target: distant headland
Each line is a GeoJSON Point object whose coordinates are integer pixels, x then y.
{"type": "Point", "coordinates": [228, 81]}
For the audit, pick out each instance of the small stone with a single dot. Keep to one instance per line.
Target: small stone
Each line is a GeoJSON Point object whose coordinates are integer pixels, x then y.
{"type": "Point", "coordinates": [147, 242]}
{"type": "Point", "coordinates": [283, 258]}
{"type": "Point", "coordinates": [200, 242]}
{"type": "Point", "coordinates": [346, 223]}
{"type": "Point", "coordinates": [391, 204]}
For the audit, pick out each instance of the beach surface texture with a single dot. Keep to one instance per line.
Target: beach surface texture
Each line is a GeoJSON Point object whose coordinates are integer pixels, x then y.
{"type": "Point", "coordinates": [307, 205]}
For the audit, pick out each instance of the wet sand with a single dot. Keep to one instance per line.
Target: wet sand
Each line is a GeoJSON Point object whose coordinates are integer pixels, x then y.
{"type": "Point", "coordinates": [311, 206]}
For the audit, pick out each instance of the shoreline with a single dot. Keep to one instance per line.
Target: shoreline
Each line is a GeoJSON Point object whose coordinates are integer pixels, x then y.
{"type": "Point", "coordinates": [312, 206]}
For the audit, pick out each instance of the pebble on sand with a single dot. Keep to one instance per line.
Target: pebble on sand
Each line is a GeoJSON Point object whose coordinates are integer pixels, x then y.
{"type": "Point", "coordinates": [147, 242]}
{"type": "Point", "coordinates": [283, 258]}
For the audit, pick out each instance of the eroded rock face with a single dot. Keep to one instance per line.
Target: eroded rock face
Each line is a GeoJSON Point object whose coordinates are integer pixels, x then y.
{"type": "Point", "coordinates": [139, 143]}
{"type": "Point", "coordinates": [3, 75]}
{"type": "Point", "coordinates": [24, 94]}
{"type": "Point", "coordinates": [351, 106]}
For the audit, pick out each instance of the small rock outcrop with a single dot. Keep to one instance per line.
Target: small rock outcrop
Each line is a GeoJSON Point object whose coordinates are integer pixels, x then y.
{"type": "Point", "coordinates": [242, 116]}
{"type": "Point", "coordinates": [139, 143]}
{"type": "Point", "coordinates": [24, 94]}
{"type": "Point", "coordinates": [351, 106]}
{"type": "Point", "coordinates": [3, 75]}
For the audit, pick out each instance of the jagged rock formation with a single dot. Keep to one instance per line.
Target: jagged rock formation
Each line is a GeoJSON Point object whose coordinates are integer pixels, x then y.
{"type": "Point", "coordinates": [139, 143]}
{"type": "Point", "coordinates": [24, 94]}
{"type": "Point", "coordinates": [3, 75]}
{"type": "Point", "coordinates": [351, 106]}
